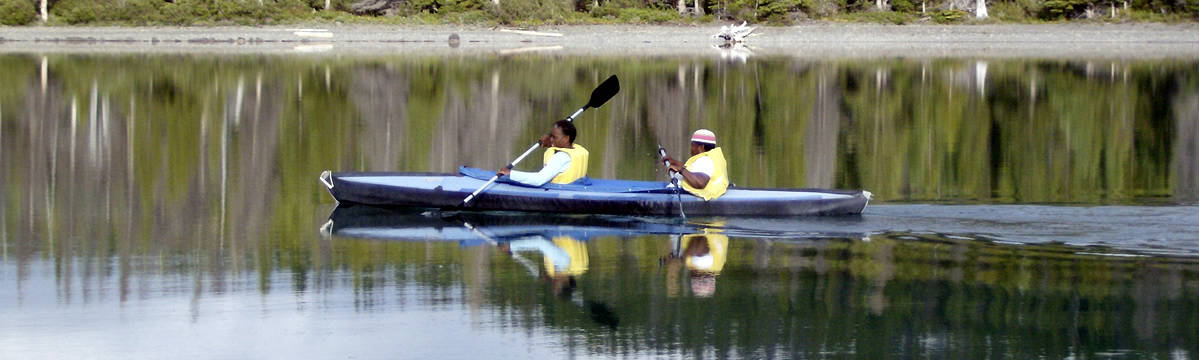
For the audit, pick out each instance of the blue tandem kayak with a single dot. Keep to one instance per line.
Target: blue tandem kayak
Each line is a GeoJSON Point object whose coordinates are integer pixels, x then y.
{"type": "Point", "coordinates": [587, 196]}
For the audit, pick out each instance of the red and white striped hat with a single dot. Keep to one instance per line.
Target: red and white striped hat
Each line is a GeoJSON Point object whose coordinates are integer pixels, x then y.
{"type": "Point", "coordinates": [704, 136]}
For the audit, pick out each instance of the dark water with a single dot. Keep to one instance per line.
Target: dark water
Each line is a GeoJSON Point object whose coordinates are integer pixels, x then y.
{"type": "Point", "coordinates": [167, 205]}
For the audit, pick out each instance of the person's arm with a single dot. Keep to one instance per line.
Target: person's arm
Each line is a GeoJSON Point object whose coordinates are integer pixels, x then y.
{"type": "Point", "coordinates": [559, 257]}
{"type": "Point", "coordinates": [558, 163]}
{"type": "Point", "coordinates": [697, 179]}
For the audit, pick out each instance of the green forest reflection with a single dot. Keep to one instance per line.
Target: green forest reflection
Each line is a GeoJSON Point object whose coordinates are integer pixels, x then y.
{"type": "Point", "coordinates": [205, 166]}
{"type": "Point", "coordinates": [893, 294]}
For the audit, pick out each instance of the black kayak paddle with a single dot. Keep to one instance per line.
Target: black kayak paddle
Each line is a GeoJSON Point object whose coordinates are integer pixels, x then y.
{"type": "Point", "coordinates": [604, 92]}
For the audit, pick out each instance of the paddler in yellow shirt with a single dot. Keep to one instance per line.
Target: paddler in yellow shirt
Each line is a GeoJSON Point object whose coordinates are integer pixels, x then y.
{"type": "Point", "coordinates": [563, 163]}
{"type": "Point", "coordinates": [705, 174]}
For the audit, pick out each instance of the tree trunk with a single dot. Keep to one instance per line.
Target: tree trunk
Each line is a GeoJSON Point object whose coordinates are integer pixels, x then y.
{"type": "Point", "coordinates": [45, 15]}
{"type": "Point", "coordinates": [881, 4]}
{"type": "Point", "coordinates": [699, 9]}
{"type": "Point", "coordinates": [682, 6]}
{"type": "Point", "coordinates": [981, 10]}
{"type": "Point", "coordinates": [327, 4]}
{"type": "Point", "coordinates": [1186, 147]}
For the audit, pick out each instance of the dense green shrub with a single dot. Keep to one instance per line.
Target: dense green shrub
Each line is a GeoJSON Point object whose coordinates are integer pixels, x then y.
{"type": "Point", "coordinates": [824, 8]}
{"type": "Point", "coordinates": [1013, 11]}
{"type": "Point", "coordinates": [180, 12]}
{"type": "Point", "coordinates": [738, 10]}
{"type": "Point", "coordinates": [651, 16]}
{"type": "Point", "coordinates": [517, 11]}
{"type": "Point", "coordinates": [1058, 9]}
{"type": "Point", "coordinates": [77, 11]}
{"type": "Point", "coordinates": [779, 11]}
{"type": "Point", "coordinates": [465, 5]}
{"type": "Point", "coordinates": [605, 11]}
{"type": "Point", "coordinates": [16, 12]}
{"type": "Point", "coordinates": [1167, 7]}
{"type": "Point", "coordinates": [636, 15]}
{"type": "Point", "coordinates": [193, 12]}
{"type": "Point", "coordinates": [908, 6]}
{"type": "Point", "coordinates": [774, 11]}
{"type": "Point", "coordinates": [335, 5]}
{"type": "Point", "coordinates": [950, 16]}
{"type": "Point", "coordinates": [886, 17]}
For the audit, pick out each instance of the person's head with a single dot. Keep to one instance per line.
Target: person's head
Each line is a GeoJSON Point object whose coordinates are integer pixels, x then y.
{"type": "Point", "coordinates": [563, 286]}
{"type": "Point", "coordinates": [697, 245]}
{"type": "Point", "coordinates": [703, 284]}
{"type": "Point", "coordinates": [703, 140]}
{"type": "Point", "coordinates": [563, 134]}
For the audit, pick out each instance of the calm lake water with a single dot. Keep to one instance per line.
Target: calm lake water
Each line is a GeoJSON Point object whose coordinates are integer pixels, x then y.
{"type": "Point", "coordinates": [167, 206]}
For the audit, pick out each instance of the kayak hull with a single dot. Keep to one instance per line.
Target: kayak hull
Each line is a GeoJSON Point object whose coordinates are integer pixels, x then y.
{"type": "Point", "coordinates": [446, 192]}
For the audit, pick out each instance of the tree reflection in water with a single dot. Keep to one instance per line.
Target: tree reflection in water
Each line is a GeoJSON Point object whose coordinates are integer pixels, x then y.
{"type": "Point", "coordinates": [130, 168]}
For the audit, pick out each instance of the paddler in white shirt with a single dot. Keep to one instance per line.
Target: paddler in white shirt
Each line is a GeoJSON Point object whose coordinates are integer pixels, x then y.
{"type": "Point", "coordinates": [705, 174]}
{"type": "Point", "coordinates": [563, 162]}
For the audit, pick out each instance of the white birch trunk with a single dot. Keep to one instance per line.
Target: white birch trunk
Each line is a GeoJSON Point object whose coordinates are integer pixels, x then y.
{"type": "Point", "coordinates": [699, 10]}
{"type": "Point", "coordinates": [981, 10]}
{"type": "Point", "coordinates": [881, 4]}
{"type": "Point", "coordinates": [682, 6]}
{"type": "Point", "coordinates": [327, 3]}
{"type": "Point", "coordinates": [45, 15]}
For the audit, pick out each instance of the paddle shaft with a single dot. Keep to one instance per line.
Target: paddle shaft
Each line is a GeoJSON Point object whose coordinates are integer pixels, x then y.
{"type": "Point", "coordinates": [678, 195]}
{"type": "Point", "coordinates": [495, 177]}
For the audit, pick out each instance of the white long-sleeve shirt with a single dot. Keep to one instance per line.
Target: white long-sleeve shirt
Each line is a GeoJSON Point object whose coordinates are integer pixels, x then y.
{"type": "Point", "coordinates": [703, 165]}
{"type": "Point", "coordinates": [558, 163]}
{"type": "Point", "coordinates": [560, 258]}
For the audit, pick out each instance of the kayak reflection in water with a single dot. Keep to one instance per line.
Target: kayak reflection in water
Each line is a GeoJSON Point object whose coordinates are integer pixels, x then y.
{"type": "Point", "coordinates": [564, 258]}
{"type": "Point", "coordinates": [704, 256]}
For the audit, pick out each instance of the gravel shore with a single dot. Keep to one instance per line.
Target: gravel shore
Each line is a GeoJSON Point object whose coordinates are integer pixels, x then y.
{"type": "Point", "coordinates": [815, 40]}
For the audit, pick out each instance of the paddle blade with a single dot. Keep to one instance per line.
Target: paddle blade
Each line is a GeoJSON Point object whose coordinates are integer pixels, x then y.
{"type": "Point", "coordinates": [604, 92]}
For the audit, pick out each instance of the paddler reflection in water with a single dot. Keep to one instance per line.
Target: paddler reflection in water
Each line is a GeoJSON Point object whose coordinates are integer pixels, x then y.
{"type": "Point", "coordinates": [564, 258]}
{"type": "Point", "coordinates": [563, 162]}
{"type": "Point", "coordinates": [704, 255]}
{"type": "Point", "coordinates": [705, 174]}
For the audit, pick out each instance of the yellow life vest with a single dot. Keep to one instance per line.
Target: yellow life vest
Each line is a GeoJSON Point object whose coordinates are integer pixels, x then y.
{"type": "Point", "coordinates": [578, 163]}
{"type": "Point", "coordinates": [577, 250]}
{"type": "Point", "coordinates": [713, 262]}
{"type": "Point", "coordinates": [718, 180]}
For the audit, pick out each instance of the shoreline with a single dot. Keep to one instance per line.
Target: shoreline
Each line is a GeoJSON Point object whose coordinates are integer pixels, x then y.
{"type": "Point", "coordinates": [812, 40]}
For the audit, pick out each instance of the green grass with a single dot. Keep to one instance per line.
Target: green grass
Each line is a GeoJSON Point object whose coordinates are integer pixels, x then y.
{"type": "Point", "coordinates": [880, 17]}
{"type": "Point", "coordinates": [951, 17]}
{"type": "Point", "coordinates": [16, 12]}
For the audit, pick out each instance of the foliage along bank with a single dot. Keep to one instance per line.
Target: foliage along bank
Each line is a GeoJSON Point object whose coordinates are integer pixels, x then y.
{"type": "Point", "coordinates": [253, 12]}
